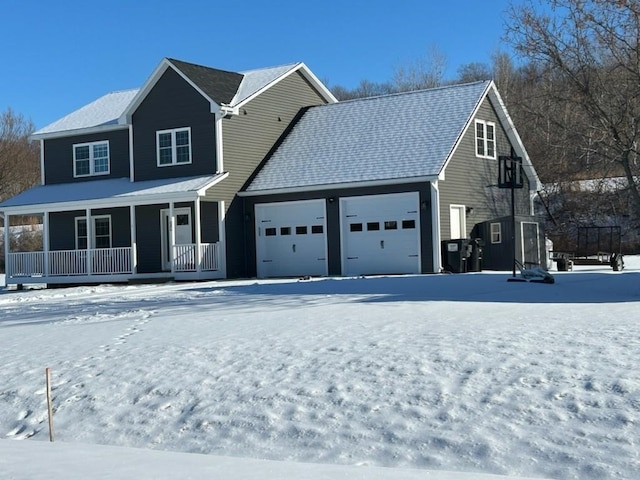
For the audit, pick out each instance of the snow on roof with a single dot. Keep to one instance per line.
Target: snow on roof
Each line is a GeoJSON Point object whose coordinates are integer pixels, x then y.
{"type": "Point", "coordinates": [383, 138]}
{"type": "Point", "coordinates": [256, 80]}
{"type": "Point", "coordinates": [104, 111]}
{"type": "Point", "coordinates": [113, 189]}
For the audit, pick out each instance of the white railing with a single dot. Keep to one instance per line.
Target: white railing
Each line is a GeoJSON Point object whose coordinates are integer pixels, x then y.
{"type": "Point", "coordinates": [185, 257]}
{"type": "Point", "coordinates": [101, 261]}
{"type": "Point", "coordinates": [25, 264]}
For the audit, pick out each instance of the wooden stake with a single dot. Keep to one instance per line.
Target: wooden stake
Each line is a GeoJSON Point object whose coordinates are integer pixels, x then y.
{"type": "Point", "coordinates": [49, 404]}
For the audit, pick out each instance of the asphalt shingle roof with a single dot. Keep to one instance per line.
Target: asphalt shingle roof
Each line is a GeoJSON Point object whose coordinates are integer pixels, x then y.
{"type": "Point", "coordinates": [391, 137]}
{"type": "Point", "coordinates": [219, 85]}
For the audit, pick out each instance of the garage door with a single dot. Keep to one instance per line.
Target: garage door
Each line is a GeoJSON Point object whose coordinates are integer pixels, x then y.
{"type": "Point", "coordinates": [291, 239]}
{"type": "Point", "coordinates": [380, 234]}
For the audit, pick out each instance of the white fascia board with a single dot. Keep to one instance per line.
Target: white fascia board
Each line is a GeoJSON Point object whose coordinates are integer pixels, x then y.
{"type": "Point", "coordinates": [154, 199]}
{"type": "Point", "coordinates": [79, 131]}
{"type": "Point", "coordinates": [465, 129]}
{"type": "Point", "coordinates": [304, 70]}
{"type": "Point", "coordinates": [339, 186]}
{"type": "Point", "coordinates": [201, 192]}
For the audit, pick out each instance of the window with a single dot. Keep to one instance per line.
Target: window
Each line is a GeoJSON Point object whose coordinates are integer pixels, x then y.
{"type": "Point", "coordinates": [317, 229]}
{"type": "Point", "coordinates": [485, 139]}
{"type": "Point", "coordinates": [270, 232]}
{"type": "Point", "coordinates": [101, 235]}
{"type": "Point", "coordinates": [90, 159]}
{"type": "Point", "coordinates": [391, 225]}
{"type": "Point", "coordinates": [496, 233]}
{"type": "Point", "coordinates": [173, 146]}
{"type": "Point", "coordinates": [301, 230]}
{"type": "Point", "coordinates": [285, 230]}
{"type": "Point", "coordinates": [373, 226]}
{"type": "Point", "coordinates": [407, 224]}
{"type": "Point", "coordinates": [355, 227]}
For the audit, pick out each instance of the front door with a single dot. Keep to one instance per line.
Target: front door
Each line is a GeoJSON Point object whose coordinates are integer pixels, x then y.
{"type": "Point", "coordinates": [184, 232]}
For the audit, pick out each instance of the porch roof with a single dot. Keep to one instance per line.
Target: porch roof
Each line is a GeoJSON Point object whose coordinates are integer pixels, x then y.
{"type": "Point", "coordinates": [112, 192]}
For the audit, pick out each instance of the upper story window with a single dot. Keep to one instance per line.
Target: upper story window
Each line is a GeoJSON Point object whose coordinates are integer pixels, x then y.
{"type": "Point", "coordinates": [485, 139]}
{"type": "Point", "coordinates": [91, 159]}
{"type": "Point", "coordinates": [173, 146]}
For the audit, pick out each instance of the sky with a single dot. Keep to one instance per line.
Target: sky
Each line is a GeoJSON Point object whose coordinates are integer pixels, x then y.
{"type": "Point", "coordinates": [59, 56]}
{"type": "Point", "coordinates": [401, 377]}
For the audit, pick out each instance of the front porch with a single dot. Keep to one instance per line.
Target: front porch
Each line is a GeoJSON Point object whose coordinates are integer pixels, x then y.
{"type": "Point", "coordinates": [100, 265]}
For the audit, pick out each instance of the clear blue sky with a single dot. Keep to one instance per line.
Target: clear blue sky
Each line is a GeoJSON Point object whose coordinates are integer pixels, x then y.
{"type": "Point", "coordinates": [60, 55]}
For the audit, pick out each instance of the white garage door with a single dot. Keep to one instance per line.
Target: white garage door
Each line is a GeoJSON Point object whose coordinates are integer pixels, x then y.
{"type": "Point", "coordinates": [291, 239]}
{"type": "Point", "coordinates": [380, 234]}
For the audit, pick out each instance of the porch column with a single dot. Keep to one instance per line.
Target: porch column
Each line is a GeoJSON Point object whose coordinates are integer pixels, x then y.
{"type": "Point", "coordinates": [134, 241]}
{"type": "Point", "coordinates": [45, 242]}
{"type": "Point", "coordinates": [7, 248]}
{"type": "Point", "coordinates": [222, 240]}
{"type": "Point", "coordinates": [198, 256]}
{"type": "Point", "coordinates": [89, 238]}
{"type": "Point", "coordinates": [172, 238]}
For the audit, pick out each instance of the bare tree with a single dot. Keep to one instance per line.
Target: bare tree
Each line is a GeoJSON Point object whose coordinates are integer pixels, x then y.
{"type": "Point", "coordinates": [473, 72]}
{"type": "Point", "coordinates": [589, 54]}
{"type": "Point", "coordinates": [425, 72]}
{"type": "Point", "coordinates": [19, 157]}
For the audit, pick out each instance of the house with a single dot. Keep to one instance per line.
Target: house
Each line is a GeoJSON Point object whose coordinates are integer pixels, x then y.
{"type": "Point", "coordinates": [204, 174]}
{"type": "Point", "coordinates": [142, 183]}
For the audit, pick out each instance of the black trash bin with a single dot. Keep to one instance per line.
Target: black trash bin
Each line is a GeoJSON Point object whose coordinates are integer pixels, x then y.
{"type": "Point", "coordinates": [455, 254]}
{"type": "Point", "coordinates": [474, 262]}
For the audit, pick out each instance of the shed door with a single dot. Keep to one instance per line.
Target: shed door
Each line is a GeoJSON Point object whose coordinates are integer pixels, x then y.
{"type": "Point", "coordinates": [380, 234]}
{"type": "Point", "coordinates": [530, 243]}
{"type": "Point", "coordinates": [291, 239]}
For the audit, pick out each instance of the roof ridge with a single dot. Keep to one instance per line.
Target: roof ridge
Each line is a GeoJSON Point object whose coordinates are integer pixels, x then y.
{"type": "Point", "coordinates": [422, 90]}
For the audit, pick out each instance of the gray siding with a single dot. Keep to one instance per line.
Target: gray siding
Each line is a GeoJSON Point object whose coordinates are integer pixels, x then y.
{"type": "Point", "coordinates": [173, 103]}
{"type": "Point", "coordinates": [148, 238]}
{"type": "Point", "coordinates": [333, 221]}
{"type": "Point", "coordinates": [58, 155]}
{"type": "Point", "coordinates": [247, 138]}
{"type": "Point", "coordinates": [472, 181]}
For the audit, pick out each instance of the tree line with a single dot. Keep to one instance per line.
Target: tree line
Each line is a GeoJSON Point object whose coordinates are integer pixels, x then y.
{"type": "Point", "coordinates": [573, 92]}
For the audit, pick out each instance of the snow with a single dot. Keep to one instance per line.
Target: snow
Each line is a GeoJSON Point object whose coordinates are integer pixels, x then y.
{"type": "Point", "coordinates": [380, 377]}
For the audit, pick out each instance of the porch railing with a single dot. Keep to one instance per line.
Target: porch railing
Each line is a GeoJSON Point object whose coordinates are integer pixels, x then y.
{"type": "Point", "coordinates": [185, 257]}
{"type": "Point", "coordinates": [101, 261]}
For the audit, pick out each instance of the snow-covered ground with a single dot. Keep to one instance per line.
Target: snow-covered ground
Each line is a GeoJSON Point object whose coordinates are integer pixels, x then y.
{"type": "Point", "coordinates": [420, 375]}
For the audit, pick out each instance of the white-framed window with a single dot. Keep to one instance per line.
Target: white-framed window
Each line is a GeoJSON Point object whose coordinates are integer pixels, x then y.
{"type": "Point", "coordinates": [91, 159]}
{"type": "Point", "coordinates": [485, 139]}
{"type": "Point", "coordinates": [173, 147]}
{"type": "Point", "coordinates": [100, 235]}
{"type": "Point", "coordinates": [496, 233]}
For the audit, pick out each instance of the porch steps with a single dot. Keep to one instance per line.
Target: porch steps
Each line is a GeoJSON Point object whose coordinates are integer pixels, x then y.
{"type": "Point", "coordinates": [150, 280]}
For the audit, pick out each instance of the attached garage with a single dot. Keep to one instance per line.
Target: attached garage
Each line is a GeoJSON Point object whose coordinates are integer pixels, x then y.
{"type": "Point", "coordinates": [291, 239]}
{"type": "Point", "coordinates": [380, 234]}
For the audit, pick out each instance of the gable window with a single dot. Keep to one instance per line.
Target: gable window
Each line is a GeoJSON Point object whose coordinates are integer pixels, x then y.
{"type": "Point", "coordinates": [485, 139]}
{"type": "Point", "coordinates": [173, 146]}
{"type": "Point", "coordinates": [91, 159]}
{"type": "Point", "coordinates": [496, 233]}
{"type": "Point", "coordinates": [101, 234]}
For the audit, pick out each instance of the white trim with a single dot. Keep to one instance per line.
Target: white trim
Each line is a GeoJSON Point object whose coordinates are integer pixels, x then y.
{"type": "Point", "coordinates": [42, 177]}
{"type": "Point", "coordinates": [436, 230]}
{"type": "Point", "coordinates": [45, 242]}
{"type": "Point", "coordinates": [134, 239]}
{"type": "Point", "coordinates": [463, 220]}
{"type": "Point", "coordinates": [222, 239]}
{"type": "Point", "coordinates": [219, 148]}
{"type": "Point", "coordinates": [334, 186]}
{"type": "Point", "coordinates": [308, 74]}
{"type": "Point", "coordinates": [522, 251]}
{"type": "Point", "coordinates": [498, 232]}
{"type": "Point", "coordinates": [174, 147]}
{"type": "Point", "coordinates": [78, 131]}
{"type": "Point", "coordinates": [197, 227]}
{"type": "Point", "coordinates": [91, 159]}
{"type": "Point", "coordinates": [485, 139]}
